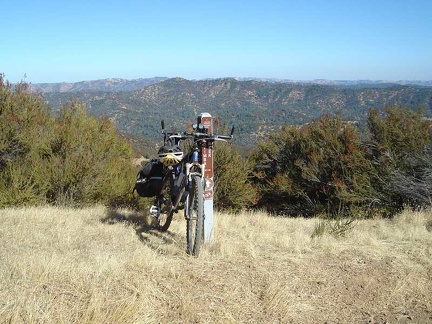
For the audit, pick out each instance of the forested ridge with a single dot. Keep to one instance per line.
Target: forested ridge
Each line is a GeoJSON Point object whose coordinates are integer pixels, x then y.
{"type": "Point", "coordinates": [255, 107]}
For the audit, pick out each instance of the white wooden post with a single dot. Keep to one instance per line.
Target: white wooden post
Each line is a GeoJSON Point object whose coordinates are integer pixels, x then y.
{"type": "Point", "coordinates": [207, 159]}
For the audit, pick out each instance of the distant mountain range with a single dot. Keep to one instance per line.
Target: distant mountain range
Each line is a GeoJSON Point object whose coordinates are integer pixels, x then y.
{"type": "Point", "coordinates": [254, 107]}
{"type": "Point", "coordinates": [112, 84]}
{"type": "Point", "coordinates": [116, 84]}
{"type": "Point", "coordinates": [346, 83]}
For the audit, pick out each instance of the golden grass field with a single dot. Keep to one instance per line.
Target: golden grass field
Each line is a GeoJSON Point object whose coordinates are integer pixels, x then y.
{"type": "Point", "coordinates": [94, 265]}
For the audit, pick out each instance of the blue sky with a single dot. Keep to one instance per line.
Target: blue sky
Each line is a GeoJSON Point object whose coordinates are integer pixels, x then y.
{"type": "Point", "coordinates": [70, 41]}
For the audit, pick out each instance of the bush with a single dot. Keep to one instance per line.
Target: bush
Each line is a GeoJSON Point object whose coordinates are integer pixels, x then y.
{"type": "Point", "coordinates": [233, 188]}
{"type": "Point", "coordinates": [25, 122]}
{"type": "Point", "coordinates": [90, 162]}
{"type": "Point", "coordinates": [396, 149]}
{"type": "Point", "coordinates": [73, 159]}
{"type": "Point", "coordinates": [414, 185]}
{"type": "Point", "coordinates": [313, 169]}
{"type": "Point", "coordinates": [326, 168]}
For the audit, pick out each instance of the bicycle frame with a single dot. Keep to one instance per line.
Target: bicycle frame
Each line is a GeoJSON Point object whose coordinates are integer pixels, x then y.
{"type": "Point", "coordinates": [181, 174]}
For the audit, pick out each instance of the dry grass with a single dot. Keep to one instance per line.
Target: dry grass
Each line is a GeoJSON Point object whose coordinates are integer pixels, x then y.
{"type": "Point", "coordinates": [99, 266]}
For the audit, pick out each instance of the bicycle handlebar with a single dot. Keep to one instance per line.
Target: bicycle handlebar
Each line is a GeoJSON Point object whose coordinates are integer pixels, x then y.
{"type": "Point", "coordinates": [200, 136]}
{"type": "Point", "coordinates": [205, 136]}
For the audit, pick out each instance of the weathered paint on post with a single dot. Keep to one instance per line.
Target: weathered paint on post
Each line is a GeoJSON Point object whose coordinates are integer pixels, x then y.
{"type": "Point", "coordinates": [207, 159]}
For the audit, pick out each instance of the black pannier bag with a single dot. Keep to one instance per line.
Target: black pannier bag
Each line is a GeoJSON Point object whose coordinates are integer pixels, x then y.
{"type": "Point", "coordinates": [149, 182]}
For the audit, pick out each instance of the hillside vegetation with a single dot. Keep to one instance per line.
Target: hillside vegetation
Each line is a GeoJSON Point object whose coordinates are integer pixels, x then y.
{"type": "Point", "coordinates": [254, 107]}
{"type": "Point", "coordinates": [327, 167]}
{"type": "Point", "coordinates": [97, 265]}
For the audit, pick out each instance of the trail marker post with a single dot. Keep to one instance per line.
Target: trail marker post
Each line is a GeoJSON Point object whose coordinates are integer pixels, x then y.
{"type": "Point", "coordinates": [207, 158]}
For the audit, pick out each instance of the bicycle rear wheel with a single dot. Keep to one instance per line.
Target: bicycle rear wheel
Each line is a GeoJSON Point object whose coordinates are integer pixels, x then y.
{"type": "Point", "coordinates": [164, 204]}
{"type": "Point", "coordinates": [194, 210]}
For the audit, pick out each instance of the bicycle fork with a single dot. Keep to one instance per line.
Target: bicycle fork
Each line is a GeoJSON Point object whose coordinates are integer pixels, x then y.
{"type": "Point", "coordinates": [199, 170]}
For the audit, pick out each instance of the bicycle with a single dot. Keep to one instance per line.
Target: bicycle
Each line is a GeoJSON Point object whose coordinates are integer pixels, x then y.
{"type": "Point", "coordinates": [181, 183]}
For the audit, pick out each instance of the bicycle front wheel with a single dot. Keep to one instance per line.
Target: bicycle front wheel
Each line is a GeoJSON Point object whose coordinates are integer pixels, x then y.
{"type": "Point", "coordinates": [194, 210]}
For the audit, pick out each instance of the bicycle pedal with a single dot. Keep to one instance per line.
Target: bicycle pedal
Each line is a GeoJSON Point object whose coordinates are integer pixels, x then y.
{"type": "Point", "coordinates": [154, 211]}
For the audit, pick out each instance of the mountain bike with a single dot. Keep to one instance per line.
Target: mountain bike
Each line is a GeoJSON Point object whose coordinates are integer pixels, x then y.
{"type": "Point", "coordinates": [183, 182]}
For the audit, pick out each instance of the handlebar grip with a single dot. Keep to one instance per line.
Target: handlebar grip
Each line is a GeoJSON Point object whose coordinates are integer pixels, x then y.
{"type": "Point", "coordinates": [227, 137]}
{"type": "Point", "coordinates": [186, 135]}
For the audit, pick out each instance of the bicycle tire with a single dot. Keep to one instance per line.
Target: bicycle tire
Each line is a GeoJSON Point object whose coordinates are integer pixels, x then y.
{"type": "Point", "coordinates": [164, 203]}
{"type": "Point", "coordinates": [195, 216]}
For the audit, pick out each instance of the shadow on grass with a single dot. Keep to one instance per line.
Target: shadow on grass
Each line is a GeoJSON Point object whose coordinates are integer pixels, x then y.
{"type": "Point", "coordinates": [146, 232]}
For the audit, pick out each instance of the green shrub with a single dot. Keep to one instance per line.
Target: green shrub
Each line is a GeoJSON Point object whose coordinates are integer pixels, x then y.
{"type": "Point", "coordinates": [233, 188]}
{"type": "Point", "coordinates": [71, 159]}
{"type": "Point", "coordinates": [414, 185]}
{"type": "Point", "coordinates": [312, 169]}
{"type": "Point", "coordinates": [25, 122]}
{"type": "Point", "coordinates": [397, 149]}
{"type": "Point", "coordinates": [90, 162]}
{"type": "Point", "coordinates": [316, 168]}
{"type": "Point", "coordinates": [339, 227]}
